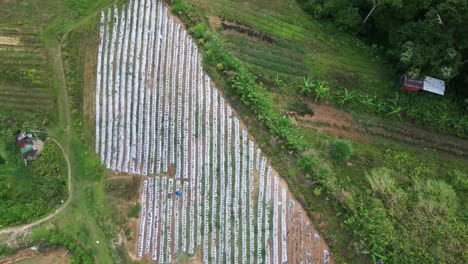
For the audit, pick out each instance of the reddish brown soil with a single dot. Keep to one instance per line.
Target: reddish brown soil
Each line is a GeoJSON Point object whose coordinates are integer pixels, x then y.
{"type": "Point", "coordinates": [56, 256]}
{"type": "Point", "coordinates": [339, 123]}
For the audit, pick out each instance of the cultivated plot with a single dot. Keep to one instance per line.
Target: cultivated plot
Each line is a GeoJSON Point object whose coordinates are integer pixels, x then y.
{"type": "Point", "coordinates": [208, 191]}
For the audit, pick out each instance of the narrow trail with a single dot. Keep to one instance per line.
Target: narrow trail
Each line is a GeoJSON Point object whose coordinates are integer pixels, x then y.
{"type": "Point", "coordinates": [22, 228]}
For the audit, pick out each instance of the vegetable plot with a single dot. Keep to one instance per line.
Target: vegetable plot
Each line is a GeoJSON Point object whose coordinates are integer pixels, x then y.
{"type": "Point", "coordinates": [159, 115]}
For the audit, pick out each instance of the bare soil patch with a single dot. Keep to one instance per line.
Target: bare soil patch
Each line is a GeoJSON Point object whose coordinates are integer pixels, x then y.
{"type": "Point", "coordinates": [9, 41]}
{"type": "Point", "coordinates": [236, 28]}
{"type": "Point", "coordinates": [29, 256]}
{"type": "Point", "coordinates": [337, 122]}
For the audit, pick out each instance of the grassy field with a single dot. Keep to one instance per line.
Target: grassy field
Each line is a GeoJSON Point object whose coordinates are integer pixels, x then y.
{"type": "Point", "coordinates": [301, 46]}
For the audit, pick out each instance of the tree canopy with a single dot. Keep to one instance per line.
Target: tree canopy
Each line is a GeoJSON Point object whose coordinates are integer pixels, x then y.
{"type": "Point", "coordinates": [422, 37]}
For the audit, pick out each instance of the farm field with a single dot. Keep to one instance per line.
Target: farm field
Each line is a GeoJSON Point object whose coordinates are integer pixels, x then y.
{"type": "Point", "coordinates": [172, 160]}
{"type": "Point", "coordinates": [210, 192]}
{"type": "Point", "coordinates": [278, 39]}
{"type": "Point", "coordinates": [24, 77]}
{"type": "Point", "coordinates": [77, 221]}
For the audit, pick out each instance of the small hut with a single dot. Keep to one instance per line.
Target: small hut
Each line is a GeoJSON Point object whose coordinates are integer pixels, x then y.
{"type": "Point", "coordinates": [427, 84]}
{"type": "Point", "coordinates": [29, 147]}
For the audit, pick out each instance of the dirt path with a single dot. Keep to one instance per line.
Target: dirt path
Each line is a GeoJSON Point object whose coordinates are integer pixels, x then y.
{"type": "Point", "coordinates": [55, 256]}
{"type": "Point", "coordinates": [60, 72]}
{"type": "Point", "coordinates": [330, 120]}
{"type": "Point", "coordinates": [22, 228]}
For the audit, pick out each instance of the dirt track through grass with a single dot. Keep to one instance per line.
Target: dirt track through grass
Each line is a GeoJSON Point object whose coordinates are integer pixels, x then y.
{"type": "Point", "coordinates": [22, 228]}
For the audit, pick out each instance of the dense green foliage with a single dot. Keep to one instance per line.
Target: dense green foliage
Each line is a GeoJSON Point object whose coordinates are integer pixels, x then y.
{"type": "Point", "coordinates": [341, 150]}
{"type": "Point", "coordinates": [28, 192]}
{"type": "Point", "coordinates": [412, 212]}
{"type": "Point", "coordinates": [421, 37]}
{"type": "Point", "coordinates": [56, 238]}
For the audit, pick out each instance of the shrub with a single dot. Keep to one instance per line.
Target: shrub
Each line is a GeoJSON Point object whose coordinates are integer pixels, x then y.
{"type": "Point", "coordinates": [198, 31]}
{"type": "Point", "coordinates": [179, 7]}
{"type": "Point", "coordinates": [307, 163]}
{"type": "Point", "coordinates": [341, 150]}
{"type": "Point", "coordinates": [134, 211]}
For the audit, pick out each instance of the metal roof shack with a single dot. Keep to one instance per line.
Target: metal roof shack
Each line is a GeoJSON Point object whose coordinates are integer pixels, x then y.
{"type": "Point", "coordinates": [27, 147]}
{"type": "Point", "coordinates": [427, 84]}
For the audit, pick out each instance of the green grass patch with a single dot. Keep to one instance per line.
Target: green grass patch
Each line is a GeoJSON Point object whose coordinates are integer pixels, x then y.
{"type": "Point", "coordinates": [28, 192]}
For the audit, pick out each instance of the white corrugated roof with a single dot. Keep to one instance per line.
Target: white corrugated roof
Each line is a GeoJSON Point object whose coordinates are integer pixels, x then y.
{"type": "Point", "coordinates": [434, 85]}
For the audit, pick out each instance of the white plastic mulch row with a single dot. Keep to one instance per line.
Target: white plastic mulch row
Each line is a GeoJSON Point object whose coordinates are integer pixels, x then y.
{"type": "Point", "coordinates": [149, 221]}
{"type": "Point", "coordinates": [116, 92]}
{"type": "Point", "coordinates": [186, 109]}
{"type": "Point", "coordinates": [275, 221]}
{"type": "Point", "coordinates": [199, 154]}
{"type": "Point", "coordinates": [251, 205]}
{"type": "Point", "coordinates": [184, 217]}
{"type": "Point", "coordinates": [214, 171]}
{"type": "Point", "coordinates": [104, 86]}
{"type": "Point", "coordinates": [142, 220]}
{"type": "Point", "coordinates": [267, 215]}
{"type": "Point", "coordinates": [244, 196]}
{"type": "Point", "coordinates": [160, 103]}
{"type": "Point", "coordinates": [154, 89]}
{"type": "Point", "coordinates": [176, 216]}
{"type": "Point", "coordinates": [193, 160]}
{"type": "Point", "coordinates": [163, 220]}
{"type": "Point", "coordinates": [283, 227]}
{"type": "Point", "coordinates": [170, 189]}
{"type": "Point", "coordinates": [124, 116]}
{"type": "Point", "coordinates": [178, 134]}
{"type": "Point", "coordinates": [228, 209]}
{"type": "Point", "coordinates": [236, 189]}
{"type": "Point", "coordinates": [129, 75]}
{"type": "Point", "coordinates": [260, 204]}
{"type": "Point", "coordinates": [174, 71]}
{"type": "Point", "coordinates": [156, 220]}
{"type": "Point", "coordinates": [147, 76]}
{"type": "Point", "coordinates": [207, 169]}
{"type": "Point", "coordinates": [222, 180]}
{"type": "Point", "coordinates": [110, 89]}
{"type": "Point", "coordinates": [98, 82]}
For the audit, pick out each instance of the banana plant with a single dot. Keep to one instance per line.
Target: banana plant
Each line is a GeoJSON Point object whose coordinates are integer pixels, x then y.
{"type": "Point", "coordinates": [307, 86]}
{"type": "Point", "coordinates": [368, 101]}
{"type": "Point", "coordinates": [346, 96]}
{"type": "Point", "coordinates": [395, 110]}
{"type": "Point", "coordinates": [394, 107]}
{"type": "Point", "coordinates": [321, 90]}
{"type": "Point", "coordinates": [277, 81]}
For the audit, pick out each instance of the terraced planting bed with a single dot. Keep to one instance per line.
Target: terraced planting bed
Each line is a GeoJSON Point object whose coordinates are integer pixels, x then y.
{"type": "Point", "coordinates": [207, 190]}
{"type": "Point", "coordinates": [24, 78]}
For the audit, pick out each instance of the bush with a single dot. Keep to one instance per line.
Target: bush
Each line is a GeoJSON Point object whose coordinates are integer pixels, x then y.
{"type": "Point", "coordinates": [134, 211]}
{"type": "Point", "coordinates": [307, 163]}
{"type": "Point", "coordinates": [179, 7]}
{"type": "Point", "coordinates": [341, 150]}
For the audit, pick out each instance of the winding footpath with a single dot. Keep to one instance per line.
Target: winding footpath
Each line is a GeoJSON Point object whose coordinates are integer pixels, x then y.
{"type": "Point", "coordinates": [22, 228]}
